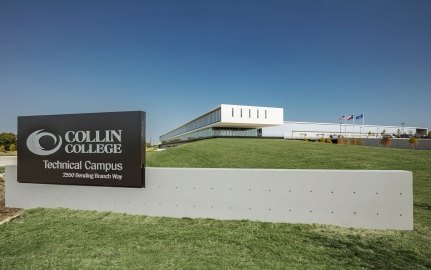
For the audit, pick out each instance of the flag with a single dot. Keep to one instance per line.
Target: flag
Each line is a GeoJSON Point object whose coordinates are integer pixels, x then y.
{"type": "Point", "coordinates": [360, 116]}
{"type": "Point", "coordinates": [342, 117]}
{"type": "Point", "coordinates": [350, 117]}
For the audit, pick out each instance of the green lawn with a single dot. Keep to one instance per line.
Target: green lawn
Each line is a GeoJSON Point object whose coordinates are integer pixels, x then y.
{"type": "Point", "coordinates": [66, 239]}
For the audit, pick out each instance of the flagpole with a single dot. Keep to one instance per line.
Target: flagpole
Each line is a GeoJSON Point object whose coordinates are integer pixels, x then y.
{"type": "Point", "coordinates": [345, 123]}
{"type": "Point", "coordinates": [341, 122]}
{"type": "Point", "coordinates": [354, 126]}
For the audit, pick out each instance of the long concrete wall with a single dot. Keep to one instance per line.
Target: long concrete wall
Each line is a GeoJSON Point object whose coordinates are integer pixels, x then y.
{"type": "Point", "coordinates": [354, 198]}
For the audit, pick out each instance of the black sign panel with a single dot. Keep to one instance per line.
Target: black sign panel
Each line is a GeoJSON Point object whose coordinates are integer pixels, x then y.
{"type": "Point", "coordinates": [99, 149]}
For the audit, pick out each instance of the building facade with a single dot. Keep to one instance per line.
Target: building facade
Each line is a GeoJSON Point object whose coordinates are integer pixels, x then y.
{"type": "Point", "coordinates": [226, 121]}
{"type": "Point", "coordinates": [311, 130]}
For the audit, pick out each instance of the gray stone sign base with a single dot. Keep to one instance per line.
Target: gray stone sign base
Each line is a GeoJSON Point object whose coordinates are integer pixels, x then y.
{"type": "Point", "coordinates": [349, 198]}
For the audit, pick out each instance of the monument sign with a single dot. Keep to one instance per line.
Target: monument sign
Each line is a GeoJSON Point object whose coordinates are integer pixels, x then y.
{"type": "Point", "coordinates": [99, 149]}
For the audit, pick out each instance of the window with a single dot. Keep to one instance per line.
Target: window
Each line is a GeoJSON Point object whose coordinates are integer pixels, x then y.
{"type": "Point", "coordinates": [232, 112]}
{"type": "Point", "coordinates": [265, 114]}
{"type": "Point", "coordinates": [258, 113]}
{"type": "Point", "coordinates": [249, 113]}
{"type": "Point", "coordinates": [204, 120]}
{"type": "Point", "coordinates": [240, 112]}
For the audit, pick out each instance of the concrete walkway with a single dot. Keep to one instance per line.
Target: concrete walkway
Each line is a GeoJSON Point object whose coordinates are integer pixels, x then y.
{"type": "Point", "coordinates": [7, 160]}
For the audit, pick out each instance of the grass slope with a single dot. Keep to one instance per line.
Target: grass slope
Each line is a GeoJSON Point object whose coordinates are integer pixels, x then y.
{"type": "Point", "coordinates": [66, 239]}
{"type": "Point", "coordinates": [269, 153]}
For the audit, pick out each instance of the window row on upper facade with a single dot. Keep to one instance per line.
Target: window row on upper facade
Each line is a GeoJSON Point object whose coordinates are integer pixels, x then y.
{"type": "Point", "coordinates": [205, 120]}
{"type": "Point", "coordinates": [249, 113]}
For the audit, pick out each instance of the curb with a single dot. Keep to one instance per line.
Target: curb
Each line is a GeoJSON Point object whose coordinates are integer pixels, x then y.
{"type": "Point", "coordinates": [10, 218]}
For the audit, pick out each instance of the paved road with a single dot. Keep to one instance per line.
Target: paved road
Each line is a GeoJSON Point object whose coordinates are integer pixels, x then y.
{"type": "Point", "coordinates": [7, 160]}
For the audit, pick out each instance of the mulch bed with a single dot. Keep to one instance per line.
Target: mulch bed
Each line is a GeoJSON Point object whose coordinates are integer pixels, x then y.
{"type": "Point", "coordinates": [6, 212]}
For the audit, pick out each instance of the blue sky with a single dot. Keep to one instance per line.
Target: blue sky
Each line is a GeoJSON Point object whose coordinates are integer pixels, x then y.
{"type": "Point", "coordinates": [176, 59]}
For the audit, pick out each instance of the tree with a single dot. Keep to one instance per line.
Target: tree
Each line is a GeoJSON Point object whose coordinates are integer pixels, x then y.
{"type": "Point", "coordinates": [2, 149]}
{"type": "Point", "coordinates": [7, 139]}
{"type": "Point", "coordinates": [12, 147]}
{"type": "Point", "coordinates": [398, 134]}
{"type": "Point", "coordinates": [429, 134]}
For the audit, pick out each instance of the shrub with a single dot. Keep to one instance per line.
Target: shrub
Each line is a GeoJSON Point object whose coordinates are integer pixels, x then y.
{"type": "Point", "coordinates": [340, 140]}
{"type": "Point", "coordinates": [357, 141]}
{"type": "Point", "coordinates": [12, 147]}
{"type": "Point", "coordinates": [327, 140]}
{"type": "Point", "coordinates": [322, 140]}
{"type": "Point", "coordinates": [305, 139]}
{"type": "Point", "coordinates": [2, 149]}
{"type": "Point", "coordinates": [386, 141]}
{"type": "Point", "coordinates": [413, 141]}
{"type": "Point", "coordinates": [347, 141]}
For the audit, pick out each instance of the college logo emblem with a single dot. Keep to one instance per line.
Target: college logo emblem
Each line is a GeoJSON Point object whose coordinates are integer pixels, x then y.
{"type": "Point", "coordinates": [33, 143]}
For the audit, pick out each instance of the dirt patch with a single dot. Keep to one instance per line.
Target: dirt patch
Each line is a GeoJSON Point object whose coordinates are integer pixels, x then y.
{"type": "Point", "coordinates": [5, 212]}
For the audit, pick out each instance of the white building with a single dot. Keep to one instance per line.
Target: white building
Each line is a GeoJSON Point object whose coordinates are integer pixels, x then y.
{"type": "Point", "coordinates": [310, 130]}
{"type": "Point", "coordinates": [252, 121]}
{"type": "Point", "coordinates": [226, 121]}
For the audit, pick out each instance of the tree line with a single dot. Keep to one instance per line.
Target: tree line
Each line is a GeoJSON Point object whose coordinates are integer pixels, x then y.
{"type": "Point", "coordinates": [7, 142]}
